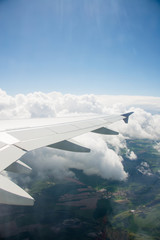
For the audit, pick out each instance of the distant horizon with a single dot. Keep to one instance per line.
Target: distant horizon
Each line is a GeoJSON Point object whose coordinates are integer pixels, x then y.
{"type": "Point", "coordinates": [76, 94]}
{"type": "Point", "coordinates": [80, 103]}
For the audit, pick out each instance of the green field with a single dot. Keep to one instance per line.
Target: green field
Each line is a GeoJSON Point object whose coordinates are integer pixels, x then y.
{"type": "Point", "coordinates": [92, 207]}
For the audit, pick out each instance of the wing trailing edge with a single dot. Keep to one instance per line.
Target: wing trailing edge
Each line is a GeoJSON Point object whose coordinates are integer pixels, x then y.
{"type": "Point", "coordinates": [17, 138]}
{"type": "Point", "coordinates": [10, 193]}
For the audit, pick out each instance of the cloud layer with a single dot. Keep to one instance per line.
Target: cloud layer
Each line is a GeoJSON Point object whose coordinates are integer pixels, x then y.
{"type": "Point", "coordinates": [104, 159]}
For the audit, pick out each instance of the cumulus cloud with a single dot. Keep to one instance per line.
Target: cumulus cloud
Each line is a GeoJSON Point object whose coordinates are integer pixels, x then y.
{"type": "Point", "coordinates": [32, 105]}
{"type": "Point", "coordinates": [142, 125]}
{"type": "Point", "coordinates": [104, 159]}
{"type": "Point", "coordinates": [101, 161]}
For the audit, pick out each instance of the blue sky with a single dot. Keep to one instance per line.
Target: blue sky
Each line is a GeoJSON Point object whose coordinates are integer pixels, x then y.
{"type": "Point", "coordinates": [80, 46]}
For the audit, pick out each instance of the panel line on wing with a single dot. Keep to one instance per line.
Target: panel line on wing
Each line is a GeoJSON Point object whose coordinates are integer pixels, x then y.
{"type": "Point", "coordinates": [8, 155]}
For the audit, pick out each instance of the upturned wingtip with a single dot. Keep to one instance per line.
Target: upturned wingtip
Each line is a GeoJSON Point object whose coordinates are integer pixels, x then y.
{"type": "Point", "coordinates": [126, 116]}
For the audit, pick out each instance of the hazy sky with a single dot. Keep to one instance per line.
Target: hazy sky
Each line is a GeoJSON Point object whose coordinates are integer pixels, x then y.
{"type": "Point", "coordinates": [80, 46]}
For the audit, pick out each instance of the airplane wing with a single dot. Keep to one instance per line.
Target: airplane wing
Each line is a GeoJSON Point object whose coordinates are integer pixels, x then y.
{"type": "Point", "coordinates": [20, 136]}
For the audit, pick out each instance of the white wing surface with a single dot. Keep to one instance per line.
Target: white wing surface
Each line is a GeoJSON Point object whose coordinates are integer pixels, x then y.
{"type": "Point", "coordinates": [20, 136]}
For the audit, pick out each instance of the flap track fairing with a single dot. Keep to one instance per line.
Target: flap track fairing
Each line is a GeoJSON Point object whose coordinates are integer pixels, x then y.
{"type": "Point", "coordinates": [19, 167]}
{"type": "Point", "coordinates": [69, 146]}
{"type": "Point", "coordinates": [105, 131]}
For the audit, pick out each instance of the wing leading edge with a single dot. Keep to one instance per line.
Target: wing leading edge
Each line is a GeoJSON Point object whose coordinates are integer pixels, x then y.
{"type": "Point", "coordinates": [56, 133]}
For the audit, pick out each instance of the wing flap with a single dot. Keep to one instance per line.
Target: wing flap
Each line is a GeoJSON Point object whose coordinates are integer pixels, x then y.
{"type": "Point", "coordinates": [15, 141]}
{"type": "Point", "coordinates": [8, 155]}
{"type": "Point", "coordinates": [10, 193]}
{"type": "Point", "coordinates": [35, 137]}
{"type": "Point", "coordinates": [61, 132]}
{"type": "Point", "coordinates": [51, 139]}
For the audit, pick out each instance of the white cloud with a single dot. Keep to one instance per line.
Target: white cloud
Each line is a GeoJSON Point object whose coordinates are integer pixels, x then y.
{"type": "Point", "coordinates": [147, 103]}
{"type": "Point", "coordinates": [101, 161]}
{"type": "Point", "coordinates": [142, 125]}
{"type": "Point", "coordinates": [104, 159]}
{"type": "Point", "coordinates": [157, 146]}
{"type": "Point", "coordinates": [131, 155]}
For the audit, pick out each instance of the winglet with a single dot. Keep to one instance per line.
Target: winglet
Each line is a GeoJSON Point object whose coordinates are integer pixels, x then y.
{"type": "Point", "coordinates": [126, 116]}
